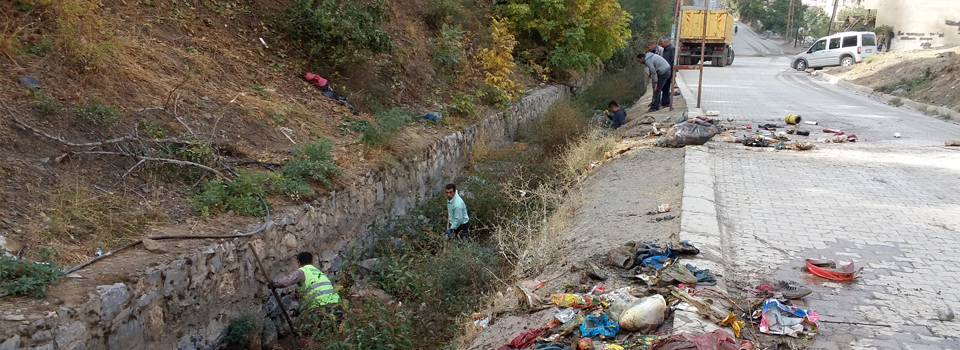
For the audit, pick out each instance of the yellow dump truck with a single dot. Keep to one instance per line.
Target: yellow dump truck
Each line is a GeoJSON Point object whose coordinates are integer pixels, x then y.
{"type": "Point", "coordinates": [719, 36]}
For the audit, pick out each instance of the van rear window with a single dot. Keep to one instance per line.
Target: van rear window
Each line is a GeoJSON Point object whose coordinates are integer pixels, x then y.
{"type": "Point", "coordinates": [869, 40]}
{"type": "Point", "coordinates": [849, 41]}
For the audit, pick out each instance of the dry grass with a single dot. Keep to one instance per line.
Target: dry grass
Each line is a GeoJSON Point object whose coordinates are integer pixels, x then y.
{"type": "Point", "coordinates": [81, 220]}
{"type": "Point", "coordinates": [579, 156]}
{"type": "Point", "coordinates": [561, 125]}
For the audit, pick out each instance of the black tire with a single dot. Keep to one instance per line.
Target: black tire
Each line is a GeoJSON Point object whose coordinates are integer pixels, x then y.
{"type": "Point", "coordinates": [800, 65]}
{"type": "Point", "coordinates": [846, 61]}
{"type": "Point", "coordinates": [719, 61]}
{"type": "Point", "coordinates": [730, 56]}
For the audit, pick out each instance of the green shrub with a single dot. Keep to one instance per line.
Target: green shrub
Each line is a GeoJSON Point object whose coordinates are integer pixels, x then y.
{"type": "Point", "coordinates": [464, 105]}
{"type": "Point", "coordinates": [43, 104]}
{"type": "Point", "coordinates": [369, 324]}
{"type": "Point", "coordinates": [910, 84]}
{"type": "Point", "coordinates": [313, 161]}
{"type": "Point", "coordinates": [438, 13]}
{"type": "Point", "coordinates": [337, 31]}
{"type": "Point", "coordinates": [200, 152]}
{"type": "Point", "coordinates": [387, 125]}
{"type": "Point", "coordinates": [22, 277]}
{"type": "Point", "coordinates": [448, 46]}
{"type": "Point", "coordinates": [896, 101]}
{"type": "Point", "coordinates": [97, 113]}
{"type": "Point", "coordinates": [243, 328]}
{"type": "Point", "coordinates": [624, 86]}
{"type": "Point", "coordinates": [242, 195]}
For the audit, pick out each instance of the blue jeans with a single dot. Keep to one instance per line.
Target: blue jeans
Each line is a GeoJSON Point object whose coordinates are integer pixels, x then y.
{"type": "Point", "coordinates": [659, 95]}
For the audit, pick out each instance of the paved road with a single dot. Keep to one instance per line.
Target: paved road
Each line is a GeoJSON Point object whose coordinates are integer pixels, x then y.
{"type": "Point", "coordinates": [892, 205]}
{"type": "Point", "coordinates": [747, 43]}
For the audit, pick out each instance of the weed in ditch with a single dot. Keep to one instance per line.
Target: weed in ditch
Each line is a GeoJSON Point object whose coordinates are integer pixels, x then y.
{"type": "Point", "coordinates": [91, 219]}
{"type": "Point", "coordinates": [386, 126]}
{"type": "Point", "coordinates": [896, 101]}
{"type": "Point", "coordinates": [23, 277]}
{"type": "Point", "coordinates": [313, 161]}
{"type": "Point", "coordinates": [97, 113]}
{"type": "Point", "coordinates": [562, 124]}
{"type": "Point", "coordinates": [243, 328]}
{"type": "Point", "coordinates": [43, 104]}
{"type": "Point", "coordinates": [242, 195]}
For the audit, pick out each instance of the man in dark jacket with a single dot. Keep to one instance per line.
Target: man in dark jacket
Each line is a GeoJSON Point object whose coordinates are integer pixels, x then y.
{"type": "Point", "coordinates": [669, 53]}
{"type": "Point", "coordinates": [618, 117]}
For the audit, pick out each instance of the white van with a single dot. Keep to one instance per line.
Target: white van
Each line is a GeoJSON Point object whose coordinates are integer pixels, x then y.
{"type": "Point", "coordinates": [841, 49]}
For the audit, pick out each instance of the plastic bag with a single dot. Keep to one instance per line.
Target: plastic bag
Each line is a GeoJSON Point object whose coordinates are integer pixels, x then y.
{"type": "Point", "coordinates": [565, 315]}
{"type": "Point", "coordinates": [565, 300]}
{"type": "Point", "coordinates": [619, 301]}
{"type": "Point", "coordinates": [643, 314]}
{"type": "Point", "coordinates": [599, 326]}
{"type": "Point", "coordinates": [684, 134]}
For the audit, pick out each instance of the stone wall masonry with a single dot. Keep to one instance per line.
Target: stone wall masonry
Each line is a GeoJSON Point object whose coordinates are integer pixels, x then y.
{"type": "Point", "coordinates": [186, 303]}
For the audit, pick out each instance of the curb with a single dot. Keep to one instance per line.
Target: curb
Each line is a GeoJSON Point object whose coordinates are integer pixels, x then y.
{"type": "Point", "coordinates": [699, 223]}
{"type": "Point", "coordinates": [834, 80]}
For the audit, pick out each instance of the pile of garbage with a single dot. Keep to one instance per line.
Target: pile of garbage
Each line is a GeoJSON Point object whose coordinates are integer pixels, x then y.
{"type": "Point", "coordinates": [770, 135]}
{"type": "Point", "coordinates": [626, 300]}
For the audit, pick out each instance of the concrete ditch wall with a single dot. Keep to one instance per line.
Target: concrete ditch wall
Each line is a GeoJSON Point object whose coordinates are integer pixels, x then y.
{"type": "Point", "coordinates": [186, 303]}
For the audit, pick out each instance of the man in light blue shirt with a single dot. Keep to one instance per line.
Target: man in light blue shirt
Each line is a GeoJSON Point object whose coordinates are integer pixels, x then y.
{"type": "Point", "coordinates": [456, 212]}
{"type": "Point", "coordinates": [660, 72]}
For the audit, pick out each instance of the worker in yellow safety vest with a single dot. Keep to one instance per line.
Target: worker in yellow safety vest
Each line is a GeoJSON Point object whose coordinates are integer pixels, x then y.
{"type": "Point", "coordinates": [316, 290]}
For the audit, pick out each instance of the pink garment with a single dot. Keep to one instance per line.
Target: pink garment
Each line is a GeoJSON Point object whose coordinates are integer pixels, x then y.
{"type": "Point", "coordinates": [316, 79]}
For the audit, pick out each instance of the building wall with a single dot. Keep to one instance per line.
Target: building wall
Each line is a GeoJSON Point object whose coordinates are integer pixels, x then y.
{"type": "Point", "coordinates": [920, 24]}
{"type": "Point", "coordinates": [185, 303]}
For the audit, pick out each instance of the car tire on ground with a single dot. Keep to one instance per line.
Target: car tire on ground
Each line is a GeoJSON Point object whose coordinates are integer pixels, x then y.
{"type": "Point", "coordinates": [846, 61]}
{"type": "Point", "coordinates": [800, 65]}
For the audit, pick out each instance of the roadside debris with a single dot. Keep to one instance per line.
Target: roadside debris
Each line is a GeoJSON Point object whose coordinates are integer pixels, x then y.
{"type": "Point", "coordinates": [828, 269]}
{"type": "Point", "coordinates": [780, 319]}
{"type": "Point", "coordinates": [953, 143]}
{"type": "Point", "coordinates": [793, 119]}
{"type": "Point", "coordinates": [697, 132]}
{"type": "Point", "coordinates": [945, 314]}
{"type": "Point", "coordinates": [321, 83]}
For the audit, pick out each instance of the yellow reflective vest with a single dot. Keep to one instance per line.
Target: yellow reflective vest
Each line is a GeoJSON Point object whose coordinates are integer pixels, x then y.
{"type": "Point", "coordinates": [317, 290]}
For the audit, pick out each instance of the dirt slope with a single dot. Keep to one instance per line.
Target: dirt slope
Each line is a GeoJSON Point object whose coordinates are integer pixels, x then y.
{"type": "Point", "coordinates": [928, 76]}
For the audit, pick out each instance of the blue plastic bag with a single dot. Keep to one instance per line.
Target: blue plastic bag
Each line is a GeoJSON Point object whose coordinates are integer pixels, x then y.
{"type": "Point", "coordinates": [599, 326]}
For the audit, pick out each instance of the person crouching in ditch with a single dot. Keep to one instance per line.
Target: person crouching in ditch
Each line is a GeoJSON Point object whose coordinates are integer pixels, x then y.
{"type": "Point", "coordinates": [456, 212]}
{"type": "Point", "coordinates": [316, 291]}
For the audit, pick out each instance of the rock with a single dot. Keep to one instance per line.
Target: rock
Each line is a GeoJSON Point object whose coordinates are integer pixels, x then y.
{"type": "Point", "coordinates": [154, 246]}
{"type": "Point", "coordinates": [15, 317]}
{"type": "Point", "coordinates": [113, 297]}
{"type": "Point", "coordinates": [70, 335]}
{"type": "Point", "coordinates": [945, 314]}
{"type": "Point", "coordinates": [268, 334]}
{"type": "Point", "coordinates": [128, 336]}
{"type": "Point", "coordinates": [12, 246]}
{"type": "Point", "coordinates": [6, 221]}
{"type": "Point", "coordinates": [42, 347]}
{"type": "Point", "coordinates": [11, 344]}
{"type": "Point", "coordinates": [396, 242]}
{"type": "Point", "coordinates": [370, 265]}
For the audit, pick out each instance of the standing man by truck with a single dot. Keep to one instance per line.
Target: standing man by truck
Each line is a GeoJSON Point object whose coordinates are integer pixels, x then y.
{"type": "Point", "coordinates": [660, 73]}
{"type": "Point", "coordinates": [669, 53]}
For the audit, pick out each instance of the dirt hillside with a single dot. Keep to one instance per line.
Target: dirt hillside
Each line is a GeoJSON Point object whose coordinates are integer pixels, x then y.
{"type": "Point", "coordinates": [928, 76]}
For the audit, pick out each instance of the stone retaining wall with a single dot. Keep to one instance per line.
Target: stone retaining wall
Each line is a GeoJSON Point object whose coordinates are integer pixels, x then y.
{"type": "Point", "coordinates": [187, 303]}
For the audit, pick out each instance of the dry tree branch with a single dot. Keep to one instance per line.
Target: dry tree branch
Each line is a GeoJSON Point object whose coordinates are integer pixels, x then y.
{"type": "Point", "coordinates": [151, 159]}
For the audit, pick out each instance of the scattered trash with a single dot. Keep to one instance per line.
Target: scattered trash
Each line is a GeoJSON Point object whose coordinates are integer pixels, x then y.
{"type": "Point", "coordinates": [526, 298]}
{"type": "Point", "coordinates": [601, 326]}
{"type": "Point", "coordinates": [481, 320]}
{"type": "Point", "coordinates": [953, 143]}
{"type": "Point", "coordinates": [566, 315]}
{"type": "Point", "coordinates": [677, 273]}
{"type": "Point", "coordinates": [735, 323]}
{"type": "Point", "coordinates": [726, 136]}
{"type": "Point", "coordinates": [712, 113]}
{"type": "Point", "coordinates": [30, 82]}
{"type": "Point", "coordinates": [851, 138]}
{"type": "Point", "coordinates": [663, 208]}
{"type": "Point", "coordinates": [696, 133]}
{"type": "Point", "coordinates": [533, 284]}
{"type": "Point", "coordinates": [716, 340]}
{"type": "Point", "coordinates": [729, 119]}
{"type": "Point", "coordinates": [811, 123]}
{"type": "Point", "coordinates": [434, 117]}
{"type": "Point", "coordinates": [792, 119]}
{"type": "Point", "coordinates": [621, 257]}
{"type": "Point", "coordinates": [800, 146]}
{"type": "Point", "coordinates": [945, 314]}
{"type": "Point", "coordinates": [98, 252]}
{"type": "Point", "coordinates": [552, 346]}
{"type": "Point", "coordinates": [612, 347]}
{"type": "Point", "coordinates": [828, 269]}
{"type": "Point", "coordinates": [524, 340]}
{"type": "Point", "coordinates": [585, 344]}
{"type": "Point", "coordinates": [768, 126]}
{"type": "Point", "coordinates": [831, 131]}
{"type": "Point", "coordinates": [748, 127]}
{"type": "Point", "coordinates": [594, 272]}
{"type": "Point", "coordinates": [777, 318]}
{"type": "Point", "coordinates": [896, 135]}
{"type": "Point", "coordinates": [704, 276]}
{"type": "Point", "coordinates": [321, 83]}
{"type": "Point", "coordinates": [803, 132]}
{"type": "Point", "coordinates": [756, 142]}
{"type": "Point", "coordinates": [644, 314]}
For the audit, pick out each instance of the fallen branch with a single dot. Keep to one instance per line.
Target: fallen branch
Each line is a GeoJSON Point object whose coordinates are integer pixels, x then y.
{"type": "Point", "coordinates": [131, 168]}
{"type": "Point", "coordinates": [152, 159]}
{"type": "Point", "coordinates": [177, 115]}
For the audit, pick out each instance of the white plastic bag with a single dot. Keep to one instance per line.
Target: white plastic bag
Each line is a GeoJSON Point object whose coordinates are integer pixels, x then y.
{"type": "Point", "coordinates": [644, 314]}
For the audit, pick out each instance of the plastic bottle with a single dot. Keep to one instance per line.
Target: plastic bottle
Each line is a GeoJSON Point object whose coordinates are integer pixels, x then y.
{"type": "Point", "coordinates": [811, 123]}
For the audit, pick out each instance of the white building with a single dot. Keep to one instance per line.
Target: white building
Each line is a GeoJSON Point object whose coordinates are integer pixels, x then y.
{"type": "Point", "coordinates": [919, 24]}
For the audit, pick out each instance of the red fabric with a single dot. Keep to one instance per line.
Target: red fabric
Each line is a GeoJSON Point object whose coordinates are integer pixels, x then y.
{"type": "Point", "coordinates": [525, 339]}
{"type": "Point", "coordinates": [316, 79]}
{"type": "Point", "coordinates": [716, 340]}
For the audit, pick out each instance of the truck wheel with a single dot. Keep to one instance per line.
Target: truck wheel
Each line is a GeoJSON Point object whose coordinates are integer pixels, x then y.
{"type": "Point", "coordinates": [730, 58]}
{"type": "Point", "coordinates": [719, 61]}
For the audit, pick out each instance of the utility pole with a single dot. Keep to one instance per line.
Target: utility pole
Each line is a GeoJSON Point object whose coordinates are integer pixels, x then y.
{"type": "Point", "coordinates": [703, 48]}
{"type": "Point", "coordinates": [790, 32]}
{"type": "Point", "coordinates": [675, 38]}
{"type": "Point", "coordinates": [832, 17]}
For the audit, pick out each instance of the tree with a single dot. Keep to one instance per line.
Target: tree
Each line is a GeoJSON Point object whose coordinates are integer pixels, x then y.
{"type": "Point", "coordinates": [774, 15]}
{"type": "Point", "coordinates": [816, 20]}
{"type": "Point", "coordinates": [855, 18]}
{"type": "Point", "coordinates": [567, 34]}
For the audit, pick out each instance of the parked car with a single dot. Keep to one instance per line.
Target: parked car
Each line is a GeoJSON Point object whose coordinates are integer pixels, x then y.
{"type": "Point", "coordinates": [841, 49]}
